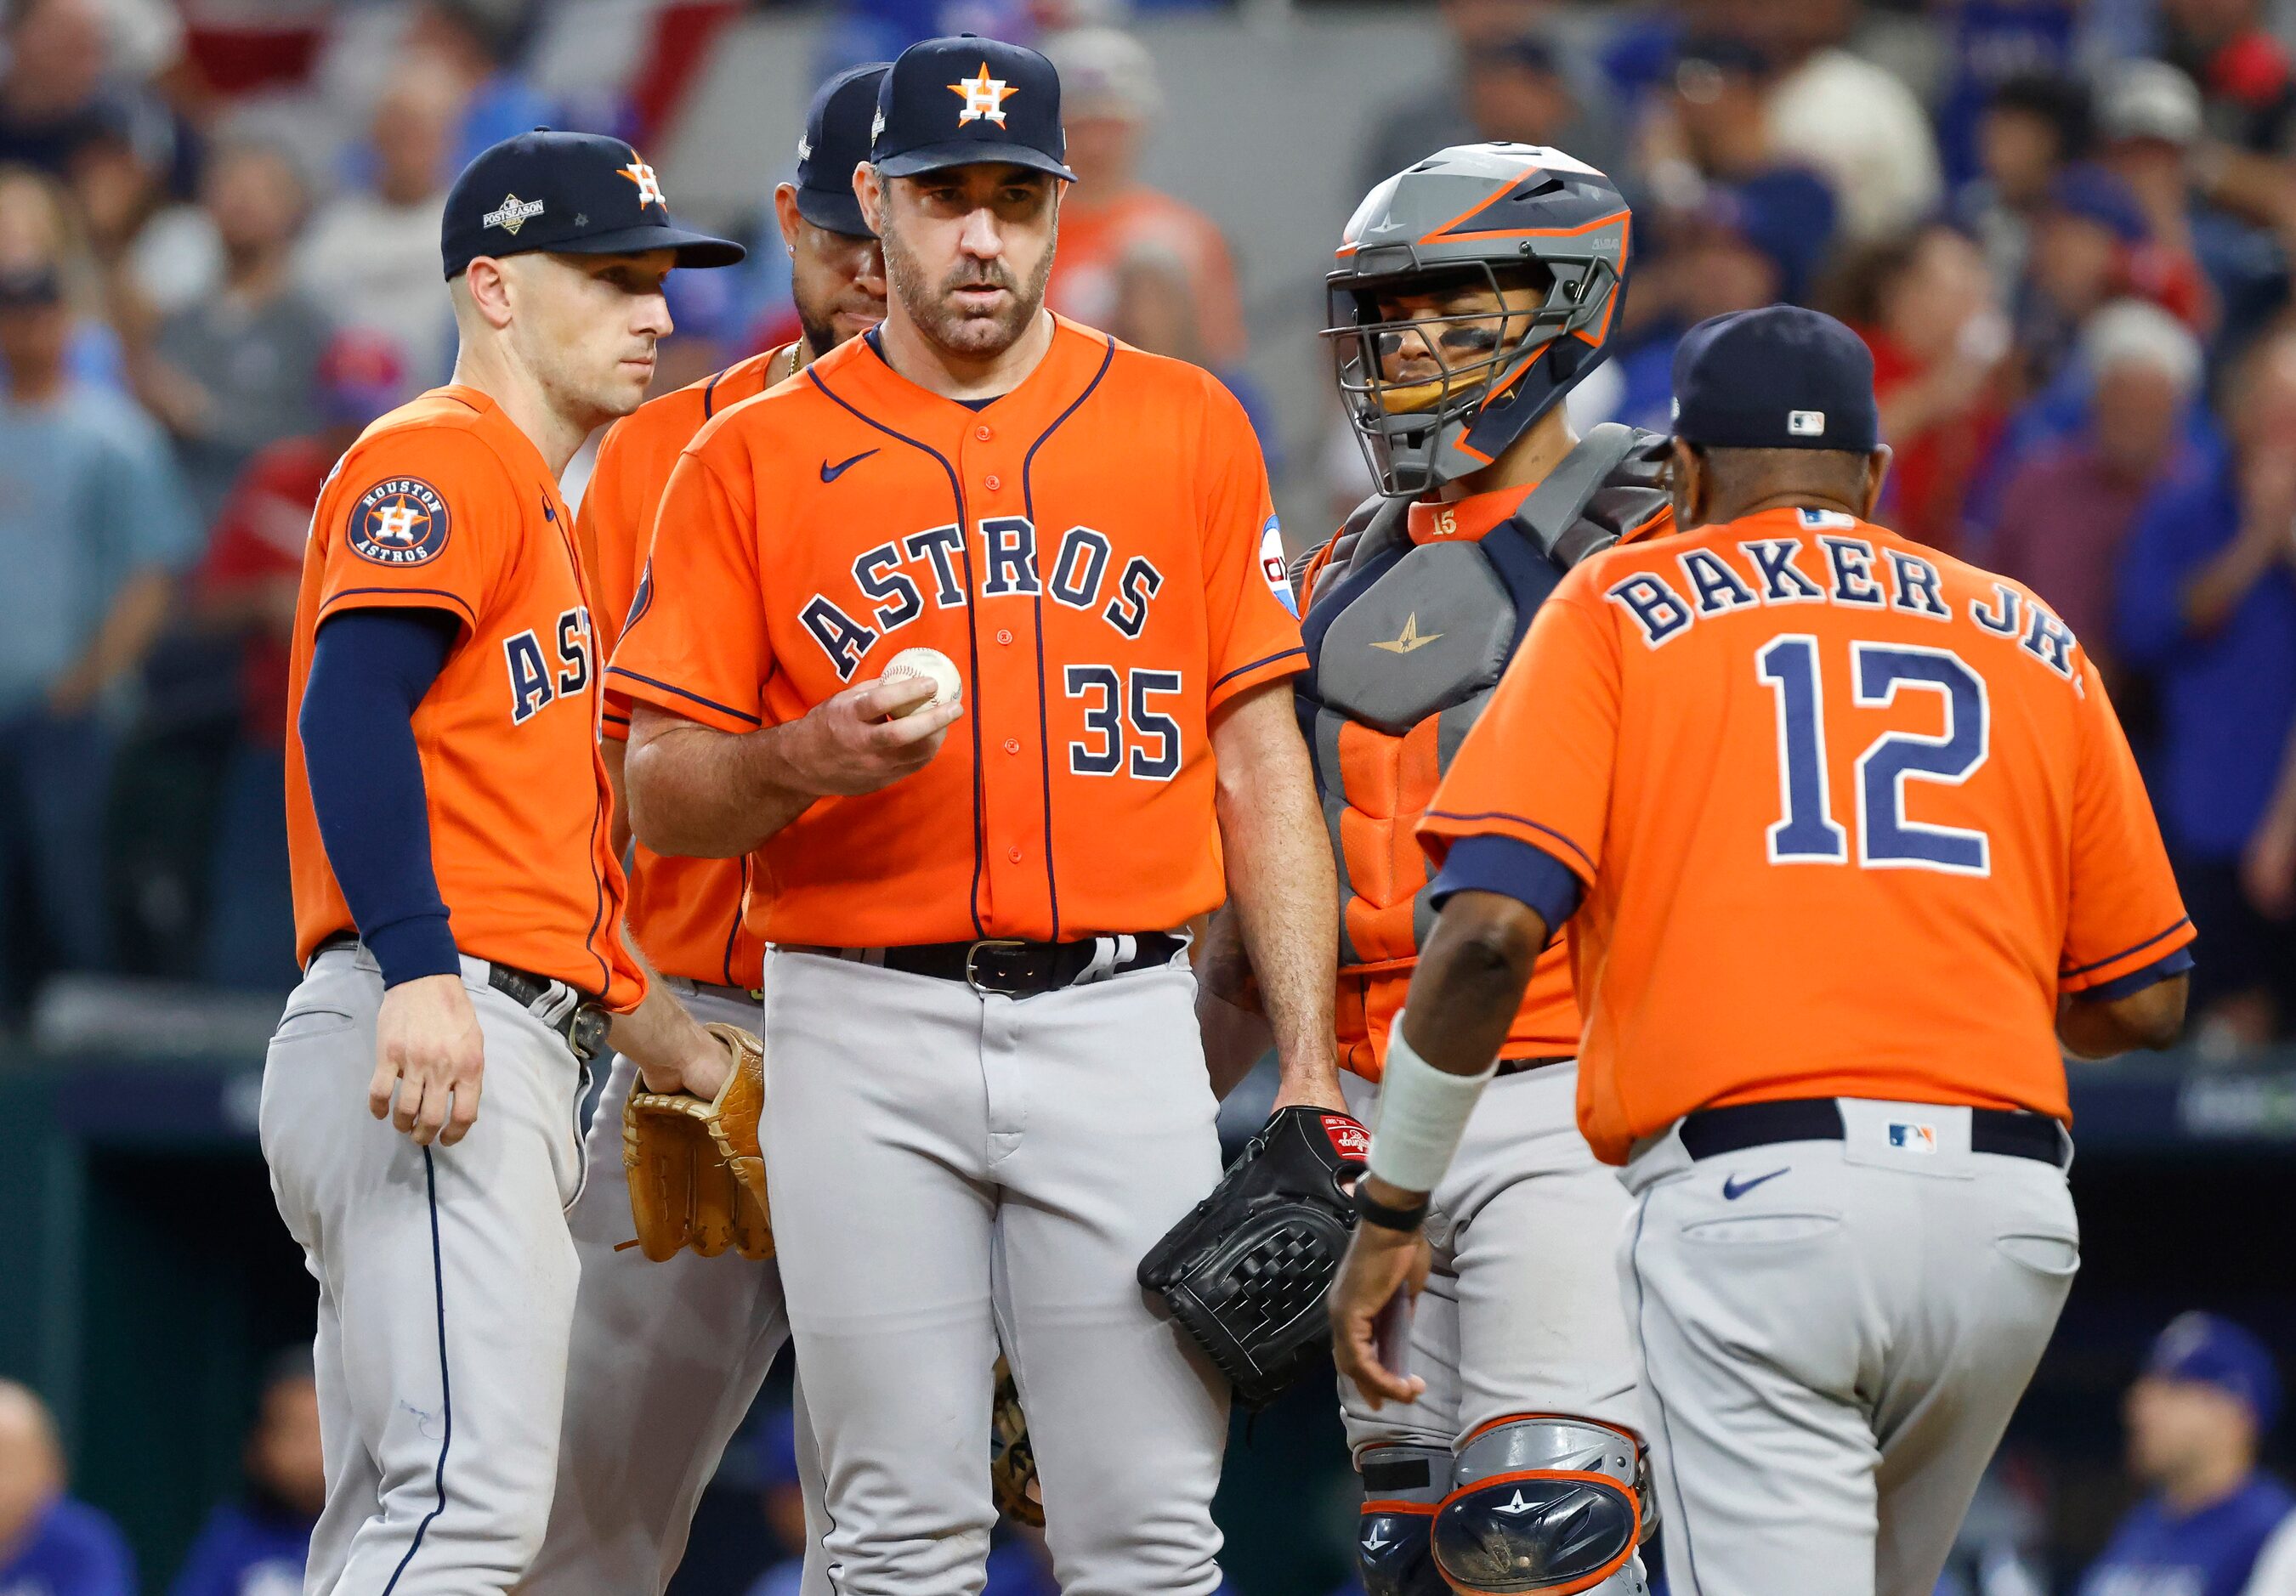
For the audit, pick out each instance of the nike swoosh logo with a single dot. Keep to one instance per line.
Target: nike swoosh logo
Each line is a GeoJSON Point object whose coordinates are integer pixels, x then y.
{"type": "Point", "coordinates": [1732, 1187]}
{"type": "Point", "coordinates": [830, 473]}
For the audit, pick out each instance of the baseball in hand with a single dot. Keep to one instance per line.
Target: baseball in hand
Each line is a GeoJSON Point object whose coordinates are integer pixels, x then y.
{"type": "Point", "coordinates": [925, 662]}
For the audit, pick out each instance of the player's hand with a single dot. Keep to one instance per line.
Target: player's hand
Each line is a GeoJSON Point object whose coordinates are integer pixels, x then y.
{"type": "Point", "coordinates": [1380, 1262]}
{"type": "Point", "coordinates": [860, 740]}
{"type": "Point", "coordinates": [2267, 867]}
{"type": "Point", "coordinates": [699, 1068]}
{"type": "Point", "coordinates": [428, 1048]}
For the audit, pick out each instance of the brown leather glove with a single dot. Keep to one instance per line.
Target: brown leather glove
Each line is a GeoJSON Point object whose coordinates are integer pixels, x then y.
{"type": "Point", "coordinates": [1012, 1461]}
{"type": "Point", "coordinates": [697, 1175]}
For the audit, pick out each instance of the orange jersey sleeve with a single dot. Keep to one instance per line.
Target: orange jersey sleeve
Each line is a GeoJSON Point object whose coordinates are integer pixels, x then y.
{"type": "Point", "coordinates": [1849, 815]}
{"type": "Point", "coordinates": [422, 516]}
{"type": "Point", "coordinates": [1252, 616]}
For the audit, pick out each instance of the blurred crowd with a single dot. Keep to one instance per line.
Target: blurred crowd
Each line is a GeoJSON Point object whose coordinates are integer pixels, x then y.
{"type": "Point", "coordinates": [2064, 226]}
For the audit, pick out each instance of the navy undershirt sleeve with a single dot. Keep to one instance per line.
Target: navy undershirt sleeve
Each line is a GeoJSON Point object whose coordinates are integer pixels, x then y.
{"type": "Point", "coordinates": [2136, 980]}
{"type": "Point", "coordinates": [369, 670]}
{"type": "Point", "coordinates": [1514, 869]}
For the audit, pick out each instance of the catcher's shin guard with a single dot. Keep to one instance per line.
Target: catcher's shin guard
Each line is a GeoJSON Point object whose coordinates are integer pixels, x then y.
{"type": "Point", "coordinates": [1543, 1502]}
{"type": "Point", "coordinates": [1402, 1487]}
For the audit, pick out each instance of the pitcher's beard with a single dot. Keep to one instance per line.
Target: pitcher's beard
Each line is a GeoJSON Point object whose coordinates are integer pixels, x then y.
{"type": "Point", "coordinates": [954, 329]}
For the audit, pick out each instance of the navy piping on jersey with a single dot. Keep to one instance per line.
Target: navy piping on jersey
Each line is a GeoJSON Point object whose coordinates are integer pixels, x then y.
{"type": "Point", "coordinates": [2124, 952]}
{"type": "Point", "coordinates": [601, 831]}
{"type": "Point", "coordinates": [733, 931]}
{"type": "Point", "coordinates": [1517, 819]}
{"type": "Point", "coordinates": [972, 611]}
{"type": "Point", "coordinates": [2137, 980]}
{"type": "Point", "coordinates": [457, 600]}
{"type": "Point", "coordinates": [445, 1391]}
{"type": "Point", "coordinates": [1253, 665]}
{"type": "Point", "coordinates": [709, 394]}
{"type": "Point", "coordinates": [616, 670]}
{"type": "Point", "coordinates": [1036, 601]}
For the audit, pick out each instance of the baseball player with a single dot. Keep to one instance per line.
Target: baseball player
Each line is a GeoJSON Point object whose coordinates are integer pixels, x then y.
{"type": "Point", "coordinates": [986, 1098]}
{"type": "Point", "coordinates": [667, 1356]}
{"type": "Point", "coordinates": [1842, 826]}
{"type": "Point", "coordinates": [458, 906]}
{"type": "Point", "coordinates": [1473, 291]}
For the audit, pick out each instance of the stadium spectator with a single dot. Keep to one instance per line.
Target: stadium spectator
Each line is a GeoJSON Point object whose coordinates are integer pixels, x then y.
{"type": "Point", "coordinates": [1924, 306]}
{"type": "Point", "coordinates": [2065, 514]}
{"type": "Point", "coordinates": [2091, 245]}
{"type": "Point", "coordinates": [1509, 77]}
{"type": "Point", "coordinates": [39, 229]}
{"type": "Point", "coordinates": [2268, 868]}
{"type": "Point", "coordinates": [1852, 122]}
{"type": "Point", "coordinates": [245, 588]}
{"type": "Point", "coordinates": [53, 92]}
{"type": "Point", "coordinates": [1109, 98]}
{"type": "Point", "coordinates": [50, 1546]}
{"type": "Point", "coordinates": [256, 1547]}
{"type": "Point", "coordinates": [2034, 127]}
{"type": "Point", "coordinates": [477, 44]}
{"type": "Point", "coordinates": [93, 521]}
{"type": "Point", "coordinates": [2243, 69]}
{"type": "Point", "coordinates": [2207, 605]}
{"type": "Point", "coordinates": [782, 1502]}
{"type": "Point", "coordinates": [2211, 1523]}
{"type": "Point", "coordinates": [234, 370]}
{"type": "Point", "coordinates": [1730, 254]}
{"type": "Point", "coordinates": [1995, 51]}
{"type": "Point", "coordinates": [372, 255]}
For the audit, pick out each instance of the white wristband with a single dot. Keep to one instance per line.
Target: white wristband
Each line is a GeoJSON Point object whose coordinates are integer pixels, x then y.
{"type": "Point", "coordinates": [1422, 1113]}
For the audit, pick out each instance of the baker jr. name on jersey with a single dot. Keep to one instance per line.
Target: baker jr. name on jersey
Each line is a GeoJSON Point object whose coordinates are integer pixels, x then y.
{"type": "Point", "coordinates": [893, 582]}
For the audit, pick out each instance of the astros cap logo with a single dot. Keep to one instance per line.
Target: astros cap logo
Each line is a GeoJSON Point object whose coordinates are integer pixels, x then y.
{"type": "Point", "coordinates": [400, 520]}
{"type": "Point", "coordinates": [983, 96]}
{"type": "Point", "coordinates": [649, 185]}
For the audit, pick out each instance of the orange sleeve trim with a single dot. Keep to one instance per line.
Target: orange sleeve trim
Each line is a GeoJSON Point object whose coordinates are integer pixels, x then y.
{"type": "Point", "coordinates": [400, 598]}
{"type": "Point", "coordinates": [723, 717]}
{"type": "Point", "coordinates": [1498, 823]}
{"type": "Point", "coordinates": [1273, 667]}
{"type": "Point", "coordinates": [2129, 959]}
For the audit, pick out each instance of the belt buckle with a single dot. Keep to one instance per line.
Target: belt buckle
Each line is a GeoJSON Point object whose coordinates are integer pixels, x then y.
{"type": "Point", "coordinates": [586, 1032]}
{"type": "Point", "coordinates": [972, 963]}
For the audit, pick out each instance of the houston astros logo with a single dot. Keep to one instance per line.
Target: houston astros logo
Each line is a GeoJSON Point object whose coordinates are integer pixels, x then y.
{"type": "Point", "coordinates": [400, 520]}
{"type": "Point", "coordinates": [983, 96]}
{"type": "Point", "coordinates": [649, 185]}
{"type": "Point", "coordinates": [513, 214]}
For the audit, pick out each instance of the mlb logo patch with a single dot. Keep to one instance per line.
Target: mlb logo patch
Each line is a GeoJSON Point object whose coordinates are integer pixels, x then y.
{"type": "Point", "coordinates": [1912, 1136]}
{"type": "Point", "coordinates": [1806, 423]}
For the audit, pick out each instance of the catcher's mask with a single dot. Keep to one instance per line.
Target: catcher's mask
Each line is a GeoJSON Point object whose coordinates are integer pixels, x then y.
{"type": "Point", "coordinates": [1531, 246]}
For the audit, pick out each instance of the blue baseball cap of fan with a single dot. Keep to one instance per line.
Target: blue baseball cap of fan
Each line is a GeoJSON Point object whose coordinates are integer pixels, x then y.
{"type": "Point", "coordinates": [2209, 1350]}
{"type": "Point", "coordinates": [965, 101]}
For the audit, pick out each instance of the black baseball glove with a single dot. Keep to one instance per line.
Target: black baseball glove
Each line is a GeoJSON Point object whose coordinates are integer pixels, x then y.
{"type": "Point", "coordinates": [1248, 1272]}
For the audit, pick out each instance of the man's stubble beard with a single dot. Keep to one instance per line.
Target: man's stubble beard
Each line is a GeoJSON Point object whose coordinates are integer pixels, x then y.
{"type": "Point", "coordinates": [971, 337]}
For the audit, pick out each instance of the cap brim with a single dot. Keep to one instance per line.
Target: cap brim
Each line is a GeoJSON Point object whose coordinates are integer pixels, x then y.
{"type": "Point", "coordinates": [693, 249]}
{"type": "Point", "coordinates": [970, 152]}
{"type": "Point", "coordinates": [833, 211]}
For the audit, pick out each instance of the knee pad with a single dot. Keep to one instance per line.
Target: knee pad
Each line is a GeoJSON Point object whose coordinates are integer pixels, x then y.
{"type": "Point", "coordinates": [1402, 1486]}
{"type": "Point", "coordinates": [1545, 1503]}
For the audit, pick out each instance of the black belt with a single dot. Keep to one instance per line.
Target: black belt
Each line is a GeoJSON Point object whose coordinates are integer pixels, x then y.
{"type": "Point", "coordinates": [584, 1027]}
{"type": "Point", "coordinates": [1517, 1065]}
{"type": "Point", "coordinates": [1009, 966]}
{"type": "Point", "coordinates": [1710, 1132]}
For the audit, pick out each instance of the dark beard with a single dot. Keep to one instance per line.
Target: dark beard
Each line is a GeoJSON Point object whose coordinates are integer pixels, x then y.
{"type": "Point", "coordinates": [971, 337]}
{"type": "Point", "coordinates": [820, 336]}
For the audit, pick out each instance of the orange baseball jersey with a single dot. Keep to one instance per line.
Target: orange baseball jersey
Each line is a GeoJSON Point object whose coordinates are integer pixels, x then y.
{"type": "Point", "coordinates": [1849, 816]}
{"type": "Point", "coordinates": [1376, 782]}
{"type": "Point", "coordinates": [686, 913]}
{"type": "Point", "coordinates": [1089, 550]}
{"type": "Point", "coordinates": [445, 504]}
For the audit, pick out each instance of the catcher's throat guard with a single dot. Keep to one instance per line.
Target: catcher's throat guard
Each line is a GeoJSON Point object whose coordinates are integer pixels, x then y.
{"type": "Point", "coordinates": [1249, 1271]}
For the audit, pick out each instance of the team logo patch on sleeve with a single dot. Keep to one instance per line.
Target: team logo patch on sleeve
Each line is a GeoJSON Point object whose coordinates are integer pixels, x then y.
{"type": "Point", "coordinates": [400, 520]}
{"type": "Point", "coordinates": [1276, 567]}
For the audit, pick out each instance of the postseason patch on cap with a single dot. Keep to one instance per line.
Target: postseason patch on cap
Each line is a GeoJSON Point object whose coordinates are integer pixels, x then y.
{"type": "Point", "coordinates": [400, 520]}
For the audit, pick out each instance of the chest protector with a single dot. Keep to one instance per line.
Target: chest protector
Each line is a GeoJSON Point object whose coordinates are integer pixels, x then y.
{"type": "Point", "coordinates": [1405, 642]}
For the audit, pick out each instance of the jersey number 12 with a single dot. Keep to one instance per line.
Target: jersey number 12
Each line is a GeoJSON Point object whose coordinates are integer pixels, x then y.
{"type": "Point", "coordinates": [1807, 834]}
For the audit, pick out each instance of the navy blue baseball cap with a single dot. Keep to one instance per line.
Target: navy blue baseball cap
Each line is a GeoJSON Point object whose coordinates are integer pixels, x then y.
{"type": "Point", "coordinates": [837, 131]}
{"type": "Point", "coordinates": [964, 100]}
{"type": "Point", "coordinates": [2207, 1350]}
{"type": "Point", "coordinates": [1777, 378]}
{"type": "Point", "coordinates": [568, 193]}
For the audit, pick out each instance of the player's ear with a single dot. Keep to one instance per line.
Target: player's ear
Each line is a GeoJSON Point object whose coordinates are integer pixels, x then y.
{"type": "Point", "coordinates": [785, 213]}
{"type": "Point", "coordinates": [1686, 480]}
{"type": "Point", "coordinates": [486, 285]}
{"type": "Point", "coordinates": [1877, 471]}
{"type": "Point", "coordinates": [869, 189]}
